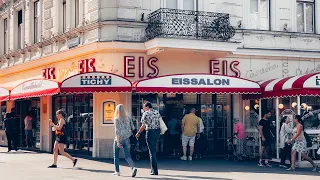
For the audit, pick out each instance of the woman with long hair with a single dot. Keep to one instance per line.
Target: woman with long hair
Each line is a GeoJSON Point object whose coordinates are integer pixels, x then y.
{"type": "Point", "coordinates": [300, 144]}
{"type": "Point", "coordinates": [61, 139]}
{"type": "Point", "coordinates": [123, 131]}
{"type": "Point", "coordinates": [285, 135]}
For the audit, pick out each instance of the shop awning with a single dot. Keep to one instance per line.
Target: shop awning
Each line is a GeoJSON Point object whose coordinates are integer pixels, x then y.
{"type": "Point", "coordinates": [34, 88]}
{"type": "Point", "coordinates": [292, 86]}
{"type": "Point", "coordinates": [95, 82]}
{"type": "Point", "coordinates": [4, 94]}
{"type": "Point", "coordinates": [197, 83]}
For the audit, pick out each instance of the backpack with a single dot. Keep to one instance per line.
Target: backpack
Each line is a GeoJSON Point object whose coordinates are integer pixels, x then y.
{"type": "Point", "coordinates": [308, 139]}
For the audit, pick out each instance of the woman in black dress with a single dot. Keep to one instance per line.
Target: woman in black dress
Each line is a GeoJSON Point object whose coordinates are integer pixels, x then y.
{"type": "Point", "coordinates": [61, 139]}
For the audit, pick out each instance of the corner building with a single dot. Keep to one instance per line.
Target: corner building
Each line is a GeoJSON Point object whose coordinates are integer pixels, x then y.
{"type": "Point", "coordinates": [87, 56]}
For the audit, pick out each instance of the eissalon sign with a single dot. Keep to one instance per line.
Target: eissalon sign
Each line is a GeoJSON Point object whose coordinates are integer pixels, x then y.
{"type": "Point", "coordinates": [201, 81]}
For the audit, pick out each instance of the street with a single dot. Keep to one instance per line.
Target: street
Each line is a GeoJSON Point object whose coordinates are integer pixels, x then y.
{"type": "Point", "coordinates": [33, 166]}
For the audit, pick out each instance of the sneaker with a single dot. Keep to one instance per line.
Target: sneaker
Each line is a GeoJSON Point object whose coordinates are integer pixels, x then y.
{"type": "Point", "coordinates": [268, 165]}
{"type": "Point", "coordinates": [183, 158]}
{"type": "Point", "coordinates": [53, 166]}
{"type": "Point", "coordinates": [261, 164]}
{"type": "Point", "coordinates": [283, 166]}
{"type": "Point", "coordinates": [116, 174]}
{"type": "Point", "coordinates": [134, 172]}
{"type": "Point", "coordinates": [75, 162]}
{"type": "Point", "coordinates": [190, 158]}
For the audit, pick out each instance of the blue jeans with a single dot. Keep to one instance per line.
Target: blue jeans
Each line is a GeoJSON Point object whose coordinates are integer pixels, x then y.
{"type": "Point", "coordinates": [126, 148]}
{"type": "Point", "coordinates": [152, 137]}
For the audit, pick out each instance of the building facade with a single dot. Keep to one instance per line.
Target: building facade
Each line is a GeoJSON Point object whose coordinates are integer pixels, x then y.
{"type": "Point", "coordinates": [54, 41]}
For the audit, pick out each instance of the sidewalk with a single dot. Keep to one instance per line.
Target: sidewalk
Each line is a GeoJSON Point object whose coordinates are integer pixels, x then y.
{"type": "Point", "coordinates": [33, 166]}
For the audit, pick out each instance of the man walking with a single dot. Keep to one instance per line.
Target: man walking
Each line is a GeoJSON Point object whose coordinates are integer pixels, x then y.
{"type": "Point", "coordinates": [10, 130]}
{"type": "Point", "coordinates": [189, 126]}
{"type": "Point", "coordinates": [266, 138]}
{"type": "Point", "coordinates": [151, 123]}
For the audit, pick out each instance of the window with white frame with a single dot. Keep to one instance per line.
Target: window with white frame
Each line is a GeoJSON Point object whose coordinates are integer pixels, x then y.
{"type": "Point", "coordinates": [76, 15]}
{"type": "Point", "coordinates": [20, 28]}
{"type": "Point", "coordinates": [259, 15]}
{"type": "Point", "coordinates": [305, 16]}
{"type": "Point", "coordinates": [64, 16]}
{"type": "Point", "coordinates": [36, 15]}
{"type": "Point", "coordinates": [180, 4]}
{"type": "Point", "coordinates": [5, 35]}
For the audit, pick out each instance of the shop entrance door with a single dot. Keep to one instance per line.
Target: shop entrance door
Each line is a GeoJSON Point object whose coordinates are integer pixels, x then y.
{"type": "Point", "coordinates": [22, 109]}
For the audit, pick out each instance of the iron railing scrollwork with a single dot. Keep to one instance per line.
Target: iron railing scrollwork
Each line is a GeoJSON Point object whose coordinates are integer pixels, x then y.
{"type": "Point", "coordinates": [175, 23]}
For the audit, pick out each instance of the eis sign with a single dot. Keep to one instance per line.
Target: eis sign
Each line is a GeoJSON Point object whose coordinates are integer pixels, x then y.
{"type": "Point", "coordinates": [216, 67]}
{"type": "Point", "coordinates": [95, 80]}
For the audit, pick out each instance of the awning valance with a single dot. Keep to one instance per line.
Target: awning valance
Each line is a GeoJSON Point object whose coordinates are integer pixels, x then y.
{"type": "Point", "coordinates": [96, 82]}
{"type": "Point", "coordinates": [34, 88]}
{"type": "Point", "coordinates": [4, 94]}
{"type": "Point", "coordinates": [197, 83]}
{"type": "Point", "coordinates": [308, 85]}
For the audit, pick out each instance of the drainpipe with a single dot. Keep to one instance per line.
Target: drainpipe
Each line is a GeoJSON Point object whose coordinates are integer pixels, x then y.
{"type": "Point", "coordinates": [277, 126]}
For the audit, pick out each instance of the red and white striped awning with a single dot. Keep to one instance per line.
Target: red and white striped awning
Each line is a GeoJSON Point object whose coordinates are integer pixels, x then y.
{"type": "Point", "coordinates": [95, 82]}
{"type": "Point", "coordinates": [34, 88]}
{"type": "Point", "coordinates": [197, 83]}
{"type": "Point", "coordinates": [303, 85]}
{"type": "Point", "coordinates": [4, 93]}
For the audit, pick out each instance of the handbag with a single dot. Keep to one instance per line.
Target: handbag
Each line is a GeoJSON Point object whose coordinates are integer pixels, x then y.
{"type": "Point", "coordinates": [163, 126]}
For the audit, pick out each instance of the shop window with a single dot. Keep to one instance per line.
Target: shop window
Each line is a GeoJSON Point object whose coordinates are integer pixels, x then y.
{"type": "Point", "coordinates": [5, 36]}
{"type": "Point", "coordinates": [3, 112]}
{"type": "Point", "coordinates": [311, 112]}
{"type": "Point", "coordinates": [36, 15]}
{"type": "Point", "coordinates": [305, 16]}
{"type": "Point", "coordinates": [259, 15]}
{"type": "Point", "coordinates": [20, 28]}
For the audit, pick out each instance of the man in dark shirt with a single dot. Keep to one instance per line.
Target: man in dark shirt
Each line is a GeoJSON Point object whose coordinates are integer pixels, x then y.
{"type": "Point", "coordinates": [10, 131]}
{"type": "Point", "coordinates": [266, 137]}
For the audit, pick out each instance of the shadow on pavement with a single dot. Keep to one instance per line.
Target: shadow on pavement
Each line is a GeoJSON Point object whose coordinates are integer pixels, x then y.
{"type": "Point", "coordinates": [93, 170]}
{"type": "Point", "coordinates": [197, 177]}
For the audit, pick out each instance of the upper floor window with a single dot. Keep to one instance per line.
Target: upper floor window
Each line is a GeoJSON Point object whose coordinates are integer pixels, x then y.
{"type": "Point", "coordinates": [20, 21]}
{"type": "Point", "coordinates": [181, 4]}
{"type": "Point", "coordinates": [259, 14]}
{"type": "Point", "coordinates": [5, 35]}
{"type": "Point", "coordinates": [64, 16]}
{"type": "Point", "coordinates": [305, 16]}
{"type": "Point", "coordinates": [77, 14]}
{"type": "Point", "coordinates": [36, 15]}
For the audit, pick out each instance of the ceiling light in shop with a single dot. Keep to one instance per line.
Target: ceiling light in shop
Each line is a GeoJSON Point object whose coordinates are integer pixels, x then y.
{"type": "Point", "coordinates": [247, 108]}
{"type": "Point", "coordinates": [256, 106]}
{"type": "Point", "coordinates": [281, 106]}
{"type": "Point", "coordinates": [294, 105]}
{"type": "Point", "coordinates": [304, 106]}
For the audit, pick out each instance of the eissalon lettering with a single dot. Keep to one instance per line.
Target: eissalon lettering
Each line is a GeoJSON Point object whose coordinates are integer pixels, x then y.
{"type": "Point", "coordinates": [201, 81]}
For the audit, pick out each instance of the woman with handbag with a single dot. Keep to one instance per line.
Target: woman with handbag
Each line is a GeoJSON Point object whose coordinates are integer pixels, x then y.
{"type": "Point", "coordinates": [285, 135]}
{"type": "Point", "coordinates": [300, 144]}
{"type": "Point", "coordinates": [123, 131]}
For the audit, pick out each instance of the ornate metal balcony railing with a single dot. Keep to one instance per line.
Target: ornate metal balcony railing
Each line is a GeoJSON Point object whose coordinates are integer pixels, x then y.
{"type": "Point", "coordinates": [174, 23]}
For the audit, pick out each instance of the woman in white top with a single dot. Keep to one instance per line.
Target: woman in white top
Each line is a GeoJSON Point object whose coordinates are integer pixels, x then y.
{"type": "Point", "coordinates": [285, 135]}
{"type": "Point", "coordinates": [300, 144]}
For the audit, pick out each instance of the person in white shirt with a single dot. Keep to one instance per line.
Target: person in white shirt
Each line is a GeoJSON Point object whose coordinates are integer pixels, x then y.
{"type": "Point", "coordinates": [285, 136]}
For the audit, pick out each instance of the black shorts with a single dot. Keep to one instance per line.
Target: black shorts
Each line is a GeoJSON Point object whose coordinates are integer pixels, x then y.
{"type": "Point", "coordinates": [61, 139]}
{"type": "Point", "coordinates": [266, 143]}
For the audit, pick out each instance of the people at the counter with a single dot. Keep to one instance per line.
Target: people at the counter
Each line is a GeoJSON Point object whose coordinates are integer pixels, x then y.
{"type": "Point", "coordinates": [300, 144]}
{"type": "Point", "coordinates": [240, 133]}
{"type": "Point", "coordinates": [174, 127]}
{"type": "Point", "coordinates": [266, 138]}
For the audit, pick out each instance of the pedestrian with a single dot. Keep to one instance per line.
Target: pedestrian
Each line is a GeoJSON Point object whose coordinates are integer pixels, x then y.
{"type": "Point", "coordinates": [240, 133]}
{"type": "Point", "coordinates": [300, 144]}
{"type": "Point", "coordinates": [61, 139]}
{"type": "Point", "coordinates": [190, 126]}
{"type": "Point", "coordinates": [285, 135]}
{"type": "Point", "coordinates": [151, 123]}
{"type": "Point", "coordinates": [266, 138]}
{"type": "Point", "coordinates": [200, 144]}
{"type": "Point", "coordinates": [28, 129]}
{"type": "Point", "coordinates": [174, 128]}
{"type": "Point", "coordinates": [123, 131]}
{"type": "Point", "coordinates": [9, 129]}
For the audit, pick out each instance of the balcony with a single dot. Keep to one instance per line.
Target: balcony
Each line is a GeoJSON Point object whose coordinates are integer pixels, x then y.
{"type": "Point", "coordinates": [184, 24]}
